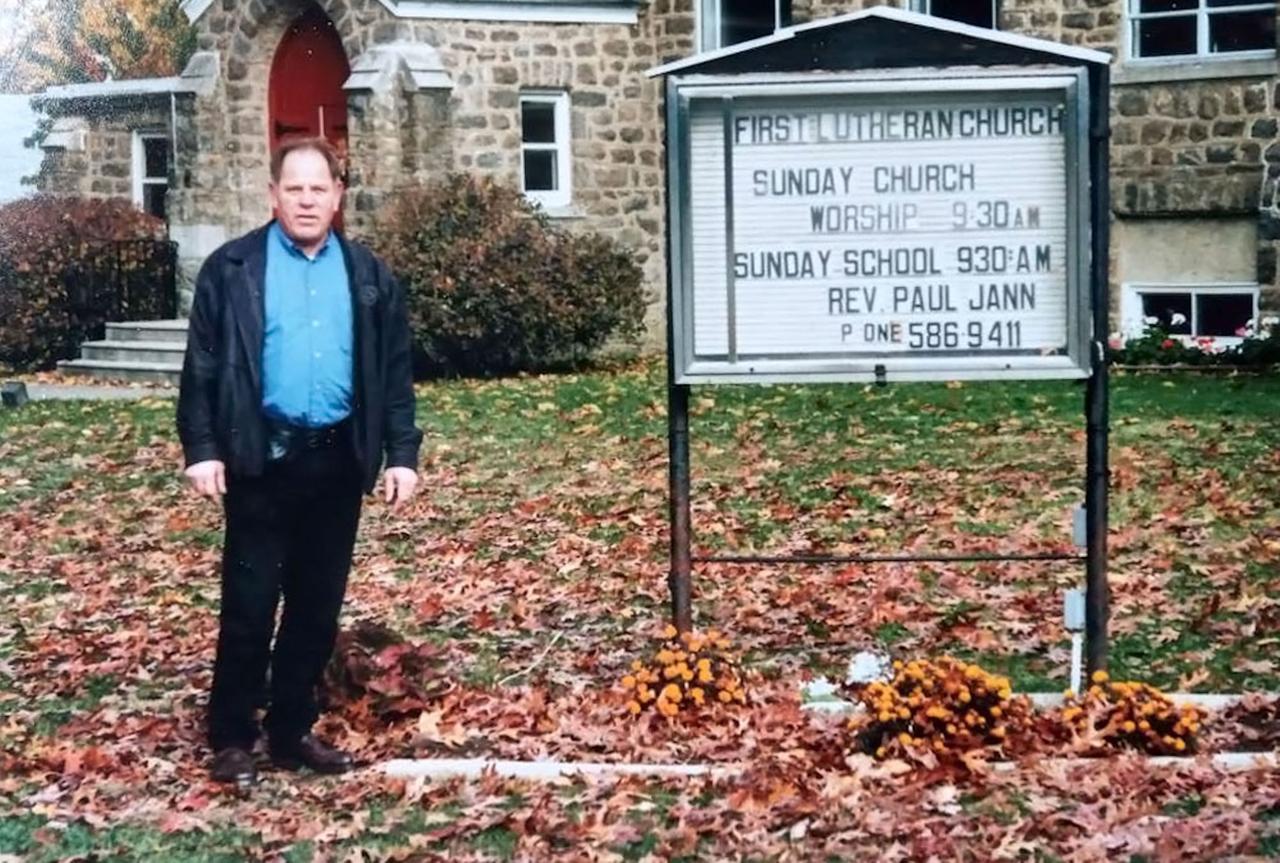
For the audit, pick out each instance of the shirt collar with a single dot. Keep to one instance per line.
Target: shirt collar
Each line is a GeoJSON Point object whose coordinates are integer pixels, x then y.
{"type": "Point", "coordinates": [292, 248]}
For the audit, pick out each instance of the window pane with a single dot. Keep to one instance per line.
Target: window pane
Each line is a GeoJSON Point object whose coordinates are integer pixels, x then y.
{"type": "Point", "coordinates": [1164, 307]}
{"type": "Point", "coordinates": [155, 153]}
{"type": "Point", "coordinates": [1223, 314]}
{"type": "Point", "coordinates": [1215, 3]}
{"type": "Point", "coordinates": [980, 13]}
{"type": "Point", "coordinates": [1242, 31]}
{"type": "Point", "coordinates": [1167, 37]}
{"type": "Point", "coordinates": [153, 199]}
{"type": "Point", "coordinates": [741, 20]}
{"type": "Point", "coordinates": [540, 171]}
{"type": "Point", "coordinates": [538, 122]}
{"type": "Point", "coordinates": [1166, 5]}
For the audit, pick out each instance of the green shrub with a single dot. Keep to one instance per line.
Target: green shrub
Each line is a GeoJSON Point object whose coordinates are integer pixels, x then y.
{"type": "Point", "coordinates": [1257, 349]}
{"type": "Point", "coordinates": [492, 287]}
{"type": "Point", "coordinates": [47, 243]}
{"type": "Point", "coordinates": [1258, 346]}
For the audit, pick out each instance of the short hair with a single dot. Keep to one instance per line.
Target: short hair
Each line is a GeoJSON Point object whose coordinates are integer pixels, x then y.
{"type": "Point", "coordinates": [315, 144]}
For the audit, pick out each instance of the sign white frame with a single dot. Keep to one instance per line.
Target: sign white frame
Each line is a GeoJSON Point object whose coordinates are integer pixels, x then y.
{"type": "Point", "coordinates": [973, 84]}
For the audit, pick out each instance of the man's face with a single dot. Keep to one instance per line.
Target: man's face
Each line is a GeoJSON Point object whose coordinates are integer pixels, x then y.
{"type": "Point", "coordinates": [306, 197]}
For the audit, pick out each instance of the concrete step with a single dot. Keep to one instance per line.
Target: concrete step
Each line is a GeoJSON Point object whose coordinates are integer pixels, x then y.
{"type": "Point", "coordinates": [130, 351]}
{"type": "Point", "coordinates": [165, 373]}
{"type": "Point", "coordinates": [147, 331]}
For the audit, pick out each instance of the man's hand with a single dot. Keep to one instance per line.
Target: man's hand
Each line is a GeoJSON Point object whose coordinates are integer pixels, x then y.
{"type": "Point", "coordinates": [399, 483]}
{"type": "Point", "coordinates": [208, 478]}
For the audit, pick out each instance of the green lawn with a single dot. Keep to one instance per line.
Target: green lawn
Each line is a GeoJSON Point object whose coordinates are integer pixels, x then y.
{"type": "Point", "coordinates": [535, 561]}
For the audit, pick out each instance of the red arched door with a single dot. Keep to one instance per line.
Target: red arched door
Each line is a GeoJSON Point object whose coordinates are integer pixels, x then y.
{"type": "Point", "coordinates": [305, 92]}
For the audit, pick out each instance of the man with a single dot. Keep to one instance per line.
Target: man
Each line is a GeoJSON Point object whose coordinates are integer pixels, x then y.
{"type": "Point", "coordinates": [297, 380]}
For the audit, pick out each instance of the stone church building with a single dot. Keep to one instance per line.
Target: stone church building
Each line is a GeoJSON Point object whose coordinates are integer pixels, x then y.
{"type": "Point", "coordinates": [553, 95]}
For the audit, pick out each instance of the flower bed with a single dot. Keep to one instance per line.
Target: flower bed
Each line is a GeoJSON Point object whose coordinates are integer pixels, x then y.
{"type": "Point", "coordinates": [1254, 346]}
{"type": "Point", "coordinates": [688, 701]}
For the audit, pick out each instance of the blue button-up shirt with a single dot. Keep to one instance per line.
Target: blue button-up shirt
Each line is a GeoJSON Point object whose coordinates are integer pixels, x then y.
{"type": "Point", "coordinates": [307, 343]}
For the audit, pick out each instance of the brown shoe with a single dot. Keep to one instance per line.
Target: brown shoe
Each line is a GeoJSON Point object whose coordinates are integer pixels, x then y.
{"type": "Point", "coordinates": [310, 751]}
{"type": "Point", "coordinates": [235, 766]}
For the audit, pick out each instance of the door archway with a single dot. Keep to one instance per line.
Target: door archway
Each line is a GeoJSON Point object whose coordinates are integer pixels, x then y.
{"type": "Point", "coordinates": [305, 95]}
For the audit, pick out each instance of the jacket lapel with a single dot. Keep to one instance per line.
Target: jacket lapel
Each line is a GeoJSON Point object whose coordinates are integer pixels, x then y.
{"type": "Point", "coordinates": [248, 300]}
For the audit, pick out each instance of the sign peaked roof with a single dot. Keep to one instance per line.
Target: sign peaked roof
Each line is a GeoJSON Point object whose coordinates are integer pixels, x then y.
{"type": "Point", "coordinates": [878, 38]}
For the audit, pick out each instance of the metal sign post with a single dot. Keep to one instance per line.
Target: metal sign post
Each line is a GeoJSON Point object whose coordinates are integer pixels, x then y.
{"type": "Point", "coordinates": [1097, 412]}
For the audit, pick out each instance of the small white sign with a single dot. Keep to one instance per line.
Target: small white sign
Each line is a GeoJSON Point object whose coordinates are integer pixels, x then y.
{"type": "Point", "coordinates": [915, 233]}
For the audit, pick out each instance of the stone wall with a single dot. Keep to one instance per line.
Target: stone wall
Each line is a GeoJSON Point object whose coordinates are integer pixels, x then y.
{"type": "Point", "coordinates": [1195, 148]}
{"type": "Point", "coordinates": [1204, 148]}
{"type": "Point", "coordinates": [673, 26]}
{"type": "Point", "coordinates": [803, 11]}
{"type": "Point", "coordinates": [399, 138]}
{"type": "Point", "coordinates": [1189, 147]}
{"type": "Point", "coordinates": [614, 117]}
{"type": "Point", "coordinates": [1198, 149]}
{"type": "Point", "coordinates": [103, 166]}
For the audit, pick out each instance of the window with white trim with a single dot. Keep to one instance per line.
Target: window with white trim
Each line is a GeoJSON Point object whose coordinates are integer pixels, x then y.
{"type": "Point", "coordinates": [727, 22]}
{"type": "Point", "coordinates": [979, 13]}
{"type": "Point", "coordinates": [545, 167]}
{"type": "Point", "coordinates": [150, 172]}
{"type": "Point", "coordinates": [1220, 311]}
{"type": "Point", "coordinates": [1201, 28]}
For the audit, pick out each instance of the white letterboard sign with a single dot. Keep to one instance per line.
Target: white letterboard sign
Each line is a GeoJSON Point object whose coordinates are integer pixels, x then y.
{"type": "Point", "coordinates": [904, 229]}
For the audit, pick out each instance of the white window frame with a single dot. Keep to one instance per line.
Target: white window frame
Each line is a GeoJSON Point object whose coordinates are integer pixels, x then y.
{"type": "Point", "coordinates": [926, 7]}
{"type": "Point", "coordinates": [1202, 12]}
{"type": "Point", "coordinates": [1131, 315]}
{"type": "Point", "coordinates": [562, 196]}
{"type": "Point", "coordinates": [140, 178]}
{"type": "Point", "coordinates": [707, 23]}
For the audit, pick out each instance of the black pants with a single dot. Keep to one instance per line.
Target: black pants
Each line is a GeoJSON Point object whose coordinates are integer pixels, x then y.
{"type": "Point", "coordinates": [289, 533]}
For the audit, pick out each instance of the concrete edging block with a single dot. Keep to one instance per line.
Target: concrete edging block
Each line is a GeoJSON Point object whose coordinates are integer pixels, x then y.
{"type": "Point", "coordinates": [474, 768]}
{"type": "Point", "coordinates": [546, 771]}
{"type": "Point", "coordinates": [1046, 700]}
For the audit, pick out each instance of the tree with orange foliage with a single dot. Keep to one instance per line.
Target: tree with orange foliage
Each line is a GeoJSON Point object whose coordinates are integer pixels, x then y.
{"type": "Point", "coordinates": [74, 41]}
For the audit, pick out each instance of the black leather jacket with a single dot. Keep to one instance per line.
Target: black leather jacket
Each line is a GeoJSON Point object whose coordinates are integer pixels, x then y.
{"type": "Point", "coordinates": [220, 403]}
